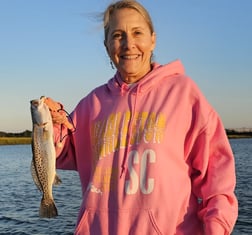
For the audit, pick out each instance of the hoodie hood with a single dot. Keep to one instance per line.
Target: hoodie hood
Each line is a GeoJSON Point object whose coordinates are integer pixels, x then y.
{"type": "Point", "coordinates": [117, 86]}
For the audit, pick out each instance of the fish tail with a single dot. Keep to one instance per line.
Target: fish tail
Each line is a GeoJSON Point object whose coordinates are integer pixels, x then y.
{"type": "Point", "coordinates": [47, 208]}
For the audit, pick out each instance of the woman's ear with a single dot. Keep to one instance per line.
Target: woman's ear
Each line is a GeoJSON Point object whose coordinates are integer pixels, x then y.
{"type": "Point", "coordinates": [153, 39]}
{"type": "Point", "coordinates": [104, 42]}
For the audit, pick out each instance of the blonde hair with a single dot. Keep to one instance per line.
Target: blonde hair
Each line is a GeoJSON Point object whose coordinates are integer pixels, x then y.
{"type": "Point", "coordinates": [122, 4]}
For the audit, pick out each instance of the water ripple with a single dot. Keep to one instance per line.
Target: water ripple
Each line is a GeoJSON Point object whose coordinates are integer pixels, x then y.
{"type": "Point", "coordinates": [20, 199]}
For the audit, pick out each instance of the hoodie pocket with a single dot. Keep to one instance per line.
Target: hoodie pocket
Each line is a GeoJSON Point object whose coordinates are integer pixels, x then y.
{"type": "Point", "coordinates": [123, 222]}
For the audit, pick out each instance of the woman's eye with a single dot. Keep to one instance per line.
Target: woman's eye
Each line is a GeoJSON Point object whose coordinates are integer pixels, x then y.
{"type": "Point", "coordinates": [137, 32]}
{"type": "Point", "coordinates": [116, 35]}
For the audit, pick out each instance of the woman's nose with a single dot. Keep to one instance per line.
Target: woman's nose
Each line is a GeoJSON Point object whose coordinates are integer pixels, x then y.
{"type": "Point", "coordinates": [128, 41]}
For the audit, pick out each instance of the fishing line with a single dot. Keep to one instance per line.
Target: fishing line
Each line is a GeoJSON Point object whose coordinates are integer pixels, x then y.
{"type": "Point", "coordinates": [61, 126]}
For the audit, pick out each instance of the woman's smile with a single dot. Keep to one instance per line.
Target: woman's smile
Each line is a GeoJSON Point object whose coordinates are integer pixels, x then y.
{"type": "Point", "coordinates": [130, 44]}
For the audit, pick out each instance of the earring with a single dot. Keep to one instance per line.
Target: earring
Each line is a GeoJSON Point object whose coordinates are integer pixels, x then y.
{"type": "Point", "coordinates": [152, 57]}
{"type": "Point", "coordinates": [112, 65]}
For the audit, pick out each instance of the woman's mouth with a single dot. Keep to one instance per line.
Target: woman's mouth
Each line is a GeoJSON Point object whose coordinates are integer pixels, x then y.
{"type": "Point", "coordinates": [129, 57]}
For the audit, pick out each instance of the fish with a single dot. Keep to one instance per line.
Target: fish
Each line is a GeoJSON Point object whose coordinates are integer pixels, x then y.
{"type": "Point", "coordinates": [43, 164]}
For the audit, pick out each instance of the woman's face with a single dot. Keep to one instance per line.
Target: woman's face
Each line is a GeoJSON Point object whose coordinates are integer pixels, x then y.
{"type": "Point", "coordinates": [130, 44]}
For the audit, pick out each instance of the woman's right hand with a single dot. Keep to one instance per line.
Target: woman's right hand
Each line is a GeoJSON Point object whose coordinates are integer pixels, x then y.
{"type": "Point", "coordinates": [58, 113]}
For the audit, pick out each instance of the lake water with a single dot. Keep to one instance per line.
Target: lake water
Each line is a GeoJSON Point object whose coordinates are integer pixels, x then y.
{"type": "Point", "coordinates": [19, 198]}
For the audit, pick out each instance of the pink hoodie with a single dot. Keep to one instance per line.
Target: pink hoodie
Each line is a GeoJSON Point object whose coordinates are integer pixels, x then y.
{"type": "Point", "coordinates": [153, 158]}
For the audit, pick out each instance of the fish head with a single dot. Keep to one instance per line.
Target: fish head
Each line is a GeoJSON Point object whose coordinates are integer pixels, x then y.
{"type": "Point", "coordinates": [40, 112]}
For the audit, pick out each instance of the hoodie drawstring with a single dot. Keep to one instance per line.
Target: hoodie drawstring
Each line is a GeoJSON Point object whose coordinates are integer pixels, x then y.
{"type": "Point", "coordinates": [129, 135]}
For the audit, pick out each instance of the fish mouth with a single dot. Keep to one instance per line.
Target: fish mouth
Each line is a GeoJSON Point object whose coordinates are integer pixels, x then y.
{"type": "Point", "coordinates": [34, 102]}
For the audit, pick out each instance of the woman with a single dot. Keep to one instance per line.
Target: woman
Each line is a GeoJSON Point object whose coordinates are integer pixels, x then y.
{"type": "Point", "coordinates": [152, 154]}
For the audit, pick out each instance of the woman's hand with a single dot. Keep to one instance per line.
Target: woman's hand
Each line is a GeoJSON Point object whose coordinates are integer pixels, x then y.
{"type": "Point", "coordinates": [58, 113]}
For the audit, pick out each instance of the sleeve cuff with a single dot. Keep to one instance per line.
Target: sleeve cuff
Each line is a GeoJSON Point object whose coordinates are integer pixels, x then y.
{"type": "Point", "coordinates": [213, 228]}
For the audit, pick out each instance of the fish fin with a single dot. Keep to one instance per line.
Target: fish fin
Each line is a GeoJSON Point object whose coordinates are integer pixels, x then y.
{"type": "Point", "coordinates": [34, 176]}
{"type": "Point", "coordinates": [57, 180]}
{"type": "Point", "coordinates": [46, 133]}
{"type": "Point", "coordinates": [47, 208]}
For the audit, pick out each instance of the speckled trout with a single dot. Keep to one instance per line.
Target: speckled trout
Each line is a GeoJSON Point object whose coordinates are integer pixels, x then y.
{"type": "Point", "coordinates": [43, 165]}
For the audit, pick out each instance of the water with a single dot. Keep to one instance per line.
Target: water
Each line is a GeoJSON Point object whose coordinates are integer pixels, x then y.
{"type": "Point", "coordinates": [19, 199]}
{"type": "Point", "coordinates": [242, 149]}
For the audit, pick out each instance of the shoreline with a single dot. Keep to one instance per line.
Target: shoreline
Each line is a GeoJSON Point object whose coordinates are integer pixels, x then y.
{"type": "Point", "coordinates": [242, 136]}
{"type": "Point", "coordinates": [15, 140]}
{"type": "Point", "coordinates": [28, 140]}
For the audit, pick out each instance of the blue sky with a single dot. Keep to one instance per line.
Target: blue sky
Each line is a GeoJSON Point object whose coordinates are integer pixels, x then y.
{"type": "Point", "coordinates": [55, 48]}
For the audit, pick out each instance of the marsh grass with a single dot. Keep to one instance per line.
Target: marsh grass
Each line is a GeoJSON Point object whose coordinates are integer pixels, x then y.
{"type": "Point", "coordinates": [244, 136]}
{"type": "Point", "coordinates": [14, 140]}
{"type": "Point", "coordinates": [27, 140]}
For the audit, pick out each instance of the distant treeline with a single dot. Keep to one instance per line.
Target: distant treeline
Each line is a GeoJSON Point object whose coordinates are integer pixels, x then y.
{"type": "Point", "coordinates": [26, 133]}
{"type": "Point", "coordinates": [231, 133]}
